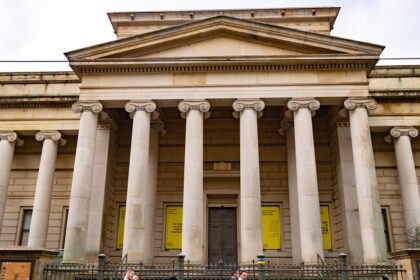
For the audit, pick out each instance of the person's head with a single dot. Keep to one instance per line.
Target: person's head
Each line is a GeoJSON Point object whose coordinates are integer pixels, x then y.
{"type": "Point", "coordinates": [129, 272]}
{"type": "Point", "coordinates": [243, 275]}
{"type": "Point", "coordinates": [235, 274]}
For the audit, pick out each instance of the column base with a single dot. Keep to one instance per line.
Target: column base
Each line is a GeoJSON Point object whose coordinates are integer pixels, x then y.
{"type": "Point", "coordinates": [409, 259]}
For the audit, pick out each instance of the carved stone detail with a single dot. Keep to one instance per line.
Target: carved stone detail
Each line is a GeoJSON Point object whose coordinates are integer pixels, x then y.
{"type": "Point", "coordinates": [147, 106]}
{"type": "Point", "coordinates": [404, 131]}
{"type": "Point", "coordinates": [93, 106]}
{"type": "Point", "coordinates": [353, 103]}
{"type": "Point", "coordinates": [243, 104]}
{"type": "Point", "coordinates": [285, 125]}
{"type": "Point", "coordinates": [52, 135]}
{"type": "Point", "coordinates": [159, 126]}
{"type": "Point", "coordinates": [296, 104]}
{"type": "Point", "coordinates": [187, 105]}
{"type": "Point", "coordinates": [12, 137]}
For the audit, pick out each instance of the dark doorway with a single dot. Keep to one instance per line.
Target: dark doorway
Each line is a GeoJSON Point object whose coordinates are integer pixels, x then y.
{"type": "Point", "coordinates": [222, 235]}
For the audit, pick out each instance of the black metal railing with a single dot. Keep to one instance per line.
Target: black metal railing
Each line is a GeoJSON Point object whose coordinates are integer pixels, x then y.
{"type": "Point", "coordinates": [260, 270]}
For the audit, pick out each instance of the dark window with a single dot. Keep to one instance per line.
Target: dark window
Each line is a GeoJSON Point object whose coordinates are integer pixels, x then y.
{"type": "Point", "coordinates": [66, 216]}
{"type": "Point", "coordinates": [25, 226]}
{"type": "Point", "coordinates": [386, 229]}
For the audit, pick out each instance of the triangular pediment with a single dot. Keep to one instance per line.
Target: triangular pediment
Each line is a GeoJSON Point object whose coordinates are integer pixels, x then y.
{"type": "Point", "coordinates": [224, 36]}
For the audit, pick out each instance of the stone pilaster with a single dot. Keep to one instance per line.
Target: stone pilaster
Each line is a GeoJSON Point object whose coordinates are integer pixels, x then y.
{"type": "Point", "coordinates": [157, 128]}
{"type": "Point", "coordinates": [138, 192]}
{"type": "Point", "coordinates": [44, 186]}
{"type": "Point", "coordinates": [371, 224]}
{"type": "Point", "coordinates": [306, 176]}
{"type": "Point", "coordinates": [248, 111]}
{"type": "Point", "coordinates": [8, 141]}
{"type": "Point", "coordinates": [407, 175]}
{"type": "Point", "coordinates": [77, 224]}
{"type": "Point", "coordinates": [194, 111]}
{"type": "Point", "coordinates": [287, 129]}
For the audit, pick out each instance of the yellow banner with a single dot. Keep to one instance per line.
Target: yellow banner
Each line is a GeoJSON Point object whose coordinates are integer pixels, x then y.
{"type": "Point", "coordinates": [326, 227]}
{"type": "Point", "coordinates": [120, 233]}
{"type": "Point", "coordinates": [271, 231]}
{"type": "Point", "coordinates": [173, 227]}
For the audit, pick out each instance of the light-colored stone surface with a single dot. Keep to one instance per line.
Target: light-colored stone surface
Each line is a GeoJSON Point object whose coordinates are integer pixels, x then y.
{"type": "Point", "coordinates": [44, 185]}
{"type": "Point", "coordinates": [407, 175]}
{"type": "Point", "coordinates": [138, 192]}
{"type": "Point", "coordinates": [250, 194]}
{"type": "Point", "coordinates": [194, 111]}
{"type": "Point", "coordinates": [8, 140]}
{"type": "Point", "coordinates": [371, 223]}
{"type": "Point", "coordinates": [287, 129]}
{"type": "Point", "coordinates": [97, 203]}
{"type": "Point", "coordinates": [78, 218]}
{"type": "Point", "coordinates": [348, 196]}
{"type": "Point", "coordinates": [307, 184]}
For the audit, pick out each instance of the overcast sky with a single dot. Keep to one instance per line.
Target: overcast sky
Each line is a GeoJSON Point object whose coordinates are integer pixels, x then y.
{"type": "Point", "coordinates": [45, 29]}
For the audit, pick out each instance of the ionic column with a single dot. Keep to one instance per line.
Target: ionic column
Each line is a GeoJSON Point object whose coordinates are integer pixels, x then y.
{"type": "Point", "coordinates": [44, 185]}
{"type": "Point", "coordinates": [194, 111]}
{"type": "Point", "coordinates": [157, 128]}
{"type": "Point", "coordinates": [307, 183]}
{"type": "Point", "coordinates": [288, 130]}
{"type": "Point", "coordinates": [137, 191]}
{"type": "Point", "coordinates": [407, 175]}
{"type": "Point", "coordinates": [248, 111]}
{"type": "Point", "coordinates": [77, 225]}
{"type": "Point", "coordinates": [371, 224]}
{"type": "Point", "coordinates": [8, 140]}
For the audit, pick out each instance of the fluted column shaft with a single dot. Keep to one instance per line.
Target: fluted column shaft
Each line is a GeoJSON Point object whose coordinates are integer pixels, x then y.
{"type": "Point", "coordinates": [44, 185]}
{"type": "Point", "coordinates": [78, 219]}
{"type": "Point", "coordinates": [138, 190]}
{"type": "Point", "coordinates": [288, 130]}
{"type": "Point", "coordinates": [371, 224]}
{"type": "Point", "coordinates": [8, 139]}
{"type": "Point", "coordinates": [407, 175]}
{"type": "Point", "coordinates": [193, 202]}
{"type": "Point", "coordinates": [250, 193]}
{"type": "Point", "coordinates": [307, 183]}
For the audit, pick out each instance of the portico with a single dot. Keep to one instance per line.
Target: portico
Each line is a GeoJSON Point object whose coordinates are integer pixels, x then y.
{"type": "Point", "coordinates": [176, 144]}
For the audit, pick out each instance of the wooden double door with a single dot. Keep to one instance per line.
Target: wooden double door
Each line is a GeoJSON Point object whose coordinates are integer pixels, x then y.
{"type": "Point", "coordinates": [222, 239]}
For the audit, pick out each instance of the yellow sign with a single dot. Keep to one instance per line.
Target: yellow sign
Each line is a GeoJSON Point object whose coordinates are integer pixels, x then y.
{"type": "Point", "coordinates": [15, 270]}
{"type": "Point", "coordinates": [270, 220]}
{"type": "Point", "coordinates": [326, 228]}
{"type": "Point", "coordinates": [173, 227]}
{"type": "Point", "coordinates": [120, 233]}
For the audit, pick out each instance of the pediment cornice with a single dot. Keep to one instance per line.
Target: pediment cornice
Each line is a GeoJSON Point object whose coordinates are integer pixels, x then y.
{"type": "Point", "coordinates": [314, 47]}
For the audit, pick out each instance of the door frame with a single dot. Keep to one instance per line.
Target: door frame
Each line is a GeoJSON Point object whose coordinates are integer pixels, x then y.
{"type": "Point", "coordinates": [232, 193]}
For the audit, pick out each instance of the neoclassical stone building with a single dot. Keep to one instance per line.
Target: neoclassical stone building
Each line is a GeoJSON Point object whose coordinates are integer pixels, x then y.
{"type": "Point", "coordinates": [218, 134]}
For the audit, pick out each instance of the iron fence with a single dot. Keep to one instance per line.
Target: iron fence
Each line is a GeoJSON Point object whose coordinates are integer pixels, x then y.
{"type": "Point", "coordinates": [184, 270]}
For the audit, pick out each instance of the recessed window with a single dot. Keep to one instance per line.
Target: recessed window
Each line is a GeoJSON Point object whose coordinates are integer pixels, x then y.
{"type": "Point", "coordinates": [25, 226]}
{"type": "Point", "coordinates": [386, 229]}
{"type": "Point", "coordinates": [64, 228]}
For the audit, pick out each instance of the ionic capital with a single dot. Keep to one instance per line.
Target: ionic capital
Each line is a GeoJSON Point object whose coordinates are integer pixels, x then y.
{"type": "Point", "coordinates": [285, 126]}
{"type": "Point", "coordinates": [147, 106]}
{"type": "Point", "coordinates": [296, 104]}
{"type": "Point", "coordinates": [51, 135]}
{"type": "Point", "coordinates": [188, 105]}
{"type": "Point", "coordinates": [248, 104]}
{"type": "Point", "coordinates": [353, 103]}
{"type": "Point", "coordinates": [93, 106]}
{"type": "Point", "coordinates": [159, 126]}
{"type": "Point", "coordinates": [11, 136]}
{"type": "Point", "coordinates": [399, 131]}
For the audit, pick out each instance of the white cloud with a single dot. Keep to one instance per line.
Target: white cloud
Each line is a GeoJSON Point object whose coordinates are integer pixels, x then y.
{"type": "Point", "coordinates": [45, 29]}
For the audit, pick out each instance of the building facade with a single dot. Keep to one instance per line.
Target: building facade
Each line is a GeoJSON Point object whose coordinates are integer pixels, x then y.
{"type": "Point", "coordinates": [216, 134]}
